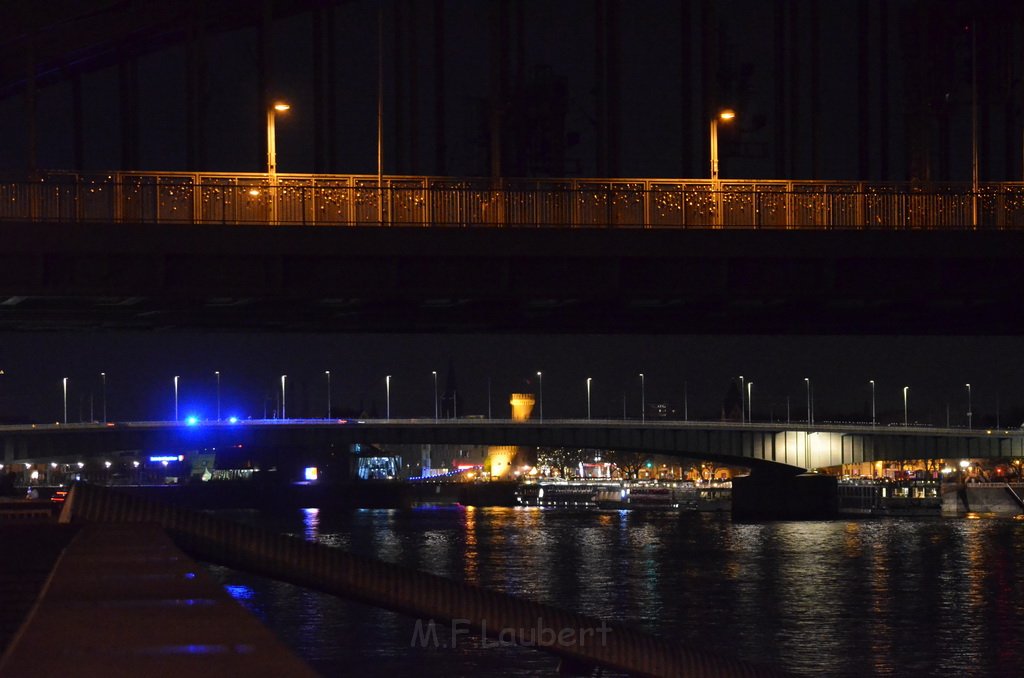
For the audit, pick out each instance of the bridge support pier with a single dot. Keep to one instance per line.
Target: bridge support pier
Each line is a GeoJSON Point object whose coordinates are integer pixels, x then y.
{"type": "Point", "coordinates": [807, 496]}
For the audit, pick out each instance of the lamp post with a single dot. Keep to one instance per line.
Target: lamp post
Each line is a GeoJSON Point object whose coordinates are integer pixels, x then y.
{"type": "Point", "coordinates": [387, 386]}
{"type": "Point", "coordinates": [103, 394]}
{"type": "Point", "coordinates": [643, 399]}
{"type": "Point", "coordinates": [284, 395]}
{"type": "Point", "coordinates": [872, 382]}
{"type": "Point", "coordinates": [905, 418]}
{"type": "Point", "coordinates": [750, 402]}
{"type": "Point", "coordinates": [540, 388]}
{"type": "Point", "coordinates": [810, 421]}
{"type": "Point", "coordinates": [724, 115]}
{"type": "Point", "coordinates": [434, 372]}
{"type": "Point", "coordinates": [216, 373]}
{"type": "Point", "coordinates": [327, 373]}
{"type": "Point", "coordinates": [743, 402]}
{"type": "Point", "coordinates": [65, 384]}
{"type": "Point", "coordinates": [970, 413]}
{"type": "Point", "coordinates": [272, 110]}
{"type": "Point", "coordinates": [175, 397]}
{"type": "Point", "coordinates": [589, 379]}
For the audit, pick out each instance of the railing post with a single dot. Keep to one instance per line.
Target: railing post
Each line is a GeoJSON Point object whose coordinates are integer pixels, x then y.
{"type": "Point", "coordinates": [860, 205]}
{"type": "Point", "coordinates": [646, 195]}
{"type": "Point", "coordinates": [197, 199]}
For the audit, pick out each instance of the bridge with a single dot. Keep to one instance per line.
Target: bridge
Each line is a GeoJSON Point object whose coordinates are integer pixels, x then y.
{"type": "Point", "coordinates": [328, 253]}
{"type": "Point", "coordinates": [762, 446]}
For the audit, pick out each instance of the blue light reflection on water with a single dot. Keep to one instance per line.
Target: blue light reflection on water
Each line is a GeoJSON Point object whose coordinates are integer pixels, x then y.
{"type": "Point", "coordinates": [918, 596]}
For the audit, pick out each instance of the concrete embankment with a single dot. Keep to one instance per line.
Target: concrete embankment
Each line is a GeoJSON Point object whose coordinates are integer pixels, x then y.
{"type": "Point", "coordinates": [999, 498]}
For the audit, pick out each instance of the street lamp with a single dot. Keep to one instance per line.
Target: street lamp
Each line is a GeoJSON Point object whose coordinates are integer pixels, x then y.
{"type": "Point", "coordinates": [272, 110]}
{"type": "Point", "coordinates": [327, 373]}
{"type": "Point", "coordinates": [65, 383]}
{"type": "Point", "coordinates": [434, 372]}
{"type": "Point", "coordinates": [175, 397]}
{"type": "Point", "coordinates": [970, 413]}
{"type": "Point", "coordinates": [540, 388]}
{"type": "Point", "coordinates": [724, 115]}
{"type": "Point", "coordinates": [905, 419]}
{"type": "Point", "coordinates": [284, 403]}
{"type": "Point", "coordinates": [103, 394]}
{"type": "Point", "coordinates": [872, 382]}
{"type": "Point", "coordinates": [809, 419]}
{"type": "Point", "coordinates": [750, 402]}
{"type": "Point", "coordinates": [216, 373]}
{"type": "Point", "coordinates": [643, 399]}
{"type": "Point", "coordinates": [743, 403]}
{"type": "Point", "coordinates": [387, 385]}
{"type": "Point", "coordinates": [589, 379]}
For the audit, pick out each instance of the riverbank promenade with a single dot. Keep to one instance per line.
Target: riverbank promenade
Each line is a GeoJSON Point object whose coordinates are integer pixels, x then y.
{"type": "Point", "coordinates": [122, 600]}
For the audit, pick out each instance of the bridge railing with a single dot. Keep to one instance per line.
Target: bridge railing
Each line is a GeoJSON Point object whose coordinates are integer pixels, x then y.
{"type": "Point", "coordinates": [359, 200]}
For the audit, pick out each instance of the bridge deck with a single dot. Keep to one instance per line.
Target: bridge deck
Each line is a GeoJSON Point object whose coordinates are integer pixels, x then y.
{"type": "Point", "coordinates": [123, 600]}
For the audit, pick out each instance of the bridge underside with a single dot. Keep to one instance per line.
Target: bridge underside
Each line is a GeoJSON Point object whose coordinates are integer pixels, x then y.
{"type": "Point", "coordinates": [784, 450]}
{"type": "Point", "coordinates": [337, 279]}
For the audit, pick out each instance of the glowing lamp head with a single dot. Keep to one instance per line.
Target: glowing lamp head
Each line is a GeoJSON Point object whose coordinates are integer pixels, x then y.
{"type": "Point", "coordinates": [192, 420]}
{"type": "Point", "coordinates": [726, 114]}
{"type": "Point", "coordinates": [281, 106]}
{"type": "Point", "coordinates": [232, 420]}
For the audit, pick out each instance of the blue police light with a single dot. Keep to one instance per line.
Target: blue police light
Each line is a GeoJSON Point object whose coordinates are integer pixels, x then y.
{"type": "Point", "coordinates": [191, 420]}
{"type": "Point", "coordinates": [232, 420]}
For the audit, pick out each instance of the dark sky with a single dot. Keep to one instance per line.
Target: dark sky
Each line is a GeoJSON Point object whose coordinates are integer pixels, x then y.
{"type": "Point", "coordinates": [841, 89]}
{"type": "Point", "coordinates": [140, 368]}
{"type": "Point", "coordinates": [594, 88]}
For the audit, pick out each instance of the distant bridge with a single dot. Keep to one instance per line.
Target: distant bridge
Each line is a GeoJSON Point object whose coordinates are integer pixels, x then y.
{"type": "Point", "coordinates": [759, 445]}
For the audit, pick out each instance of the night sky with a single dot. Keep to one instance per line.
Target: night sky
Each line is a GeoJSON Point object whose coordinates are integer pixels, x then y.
{"type": "Point", "coordinates": [571, 88]}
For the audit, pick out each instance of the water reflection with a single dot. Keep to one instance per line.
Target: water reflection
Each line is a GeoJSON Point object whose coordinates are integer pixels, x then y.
{"type": "Point", "coordinates": [311, 521]}
{"type": "Point", "coordinates": [893, 597]}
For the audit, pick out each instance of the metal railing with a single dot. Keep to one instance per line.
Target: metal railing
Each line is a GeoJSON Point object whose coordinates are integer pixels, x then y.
{"type": "Point", "coordinates": [358, 200]}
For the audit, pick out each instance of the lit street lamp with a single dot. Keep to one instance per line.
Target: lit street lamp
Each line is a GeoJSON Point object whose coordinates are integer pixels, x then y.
{"type": "Point", "coordinates": [103, 394]}
{"type": "Point", "coordinates": [284, 405]}
{"type": "Point", "coordinates": [905, 419]}
{"type": "Point", "coordinates": [970, 413]}
{"type": "Point", "coordinates": [327, 373]}
{"type": "Point", "coordinates": [387, 384]}
{"type": "Point", "coordinates": [872, 382]}
{"type": "Point", "coordinates": [810, 420]}
{"type": "Point", "coordinates": [216, 373]}
{"type": "Point", "coordinates": [278, 106]}
{"type": "Point", "coordinates": [434, 372]}
{"type": "Point", "coordinates": [540, 388]}
{"type": "Point", "coordinates": [65, 383]}
{"type": "Point", "coordinates": [743, 402]}
{"type": "Point", "coordinates": [643, 399]}
{"type": "Point", "coordinates": [724, 115]}
{"type": "Point", "coordinates": [589, 379]}
{"type": "Point", "coordinates": [175, 398]}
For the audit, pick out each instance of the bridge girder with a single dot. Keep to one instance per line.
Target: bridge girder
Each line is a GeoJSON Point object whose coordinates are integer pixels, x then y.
{"type": "Point", "coordinates": [336, 279]}
{"type": "Point", "coordinates": [783, 448]}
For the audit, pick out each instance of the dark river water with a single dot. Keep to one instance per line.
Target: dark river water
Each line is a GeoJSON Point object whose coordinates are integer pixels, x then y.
{"type": "Point", "coordinates": [906, 596]}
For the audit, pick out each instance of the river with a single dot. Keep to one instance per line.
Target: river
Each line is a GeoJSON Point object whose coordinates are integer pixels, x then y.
{"type": "Point", "coordinates": [903, 596]}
